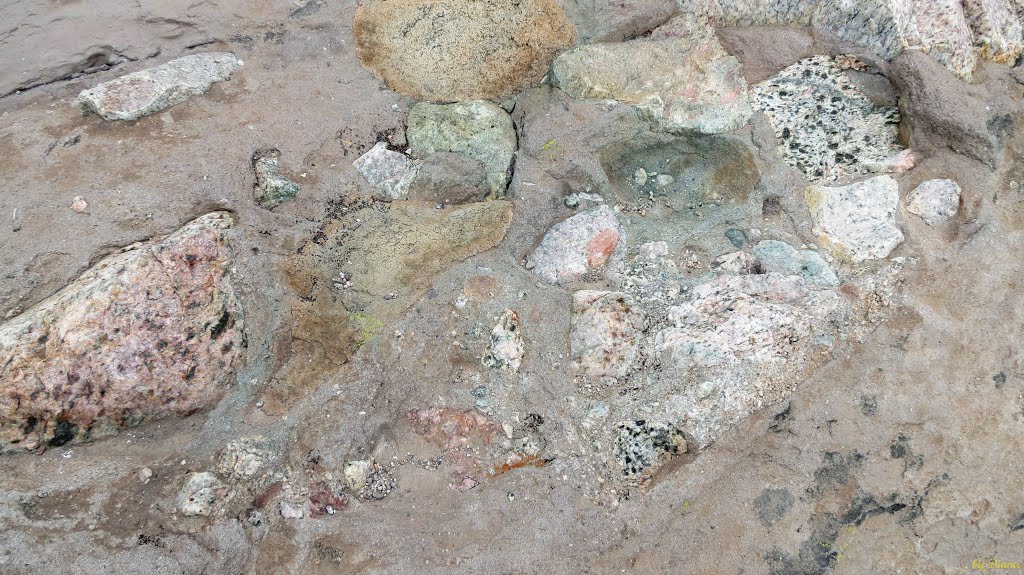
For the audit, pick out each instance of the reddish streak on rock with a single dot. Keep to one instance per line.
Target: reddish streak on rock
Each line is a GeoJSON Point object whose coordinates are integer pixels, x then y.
{"type": "Point", "coordinates": [601, 246]}
{"type": "Point", "coordinates": [518, 463]}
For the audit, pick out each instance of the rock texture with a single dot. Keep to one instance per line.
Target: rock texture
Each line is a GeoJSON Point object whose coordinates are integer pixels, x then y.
{"type": "Point", "coordinates": [587, 242]}
{"type": "Point", "coordinates": [936, 201]}
{"type": "Point", "coordinates": [389, 171]}
{"type": "Point", "coordinates": [681, 83]}
{"type": "Point", "coordinates": [826, 127]}
{"type": "Point", "coordinates": [507, 349]}
{"type": "Point", "coordinates": [617, 20]}
{"type": "Point", "coordinates": [449, 178]}
{"type": "Point", "coordinates": [142, 93]}
{"type": "Point", "coordinates": [782, 258]}
{"type": "Point", "coordinates": [605, 332]}
{"type": "Point", "coordinates": [479, 130]}
{"type": "Point", "coordinates": [271, 187]}
{"type": "Point", "coordinates": [152, 331]}
{"type": "Point", "coordinates": [447, 51]}
{"type": "Point", "coordinates": [856, 222]}
{"type": "Point", "coordinates": [947, 30]}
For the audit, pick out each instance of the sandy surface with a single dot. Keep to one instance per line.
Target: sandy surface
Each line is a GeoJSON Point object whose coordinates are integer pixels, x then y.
{"type": "Point", "coordinates": [899, 453]}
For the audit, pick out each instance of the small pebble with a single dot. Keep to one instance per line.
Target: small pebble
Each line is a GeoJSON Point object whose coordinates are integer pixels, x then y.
{"type": "Point", "coordinates": [736, 237]}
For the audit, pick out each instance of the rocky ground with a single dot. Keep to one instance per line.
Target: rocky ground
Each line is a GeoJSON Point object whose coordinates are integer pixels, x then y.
{"type": "Point", "coordinates": [534, 287]}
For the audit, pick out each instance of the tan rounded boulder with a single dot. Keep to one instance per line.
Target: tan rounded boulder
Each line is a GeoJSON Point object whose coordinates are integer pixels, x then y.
{"type": "Point", "coordinates": [450, 50]}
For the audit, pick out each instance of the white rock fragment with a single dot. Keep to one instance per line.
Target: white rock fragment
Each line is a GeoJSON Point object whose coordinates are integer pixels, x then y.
{"type": "Point", "coordinates": [586, 242]}
{"type": "Point", "coordinates": [148, 91]}
{"type": "Point", "coordinates": [290, 510]}
{"type": "Point", "coordinates": [387, 170]}
{"type": "Point", "coordinates": [79, 204]}
{"type": "Point", "coordinates": [856, 222]}
{"type": "Point", "coordinates": [200, 494]}
{"type": "Point", "coordinates": [605, 333]}
{"type": "Point", "coordinates": [507, 350]}
{"type": "Point", "coordinates": [357, 473]}
{"type": "Point", "coordinates": [243, 458]}
{"type": "Point", "coordinates": [936, 201]}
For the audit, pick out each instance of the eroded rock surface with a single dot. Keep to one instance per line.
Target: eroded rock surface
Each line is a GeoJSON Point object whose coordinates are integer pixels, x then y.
{"type": "Point", "coordinates": [586, 242]}
{"type": "Point", "coordinates": [605, 332]}
{"type": "Point", "coordinates": [152, 331]}
{"type": "Point", "coordinates": [857, 222]}
{"type": "Point", "coordinates": [936, 201]}
{"type": "Point", "coordinates": [145, 92]}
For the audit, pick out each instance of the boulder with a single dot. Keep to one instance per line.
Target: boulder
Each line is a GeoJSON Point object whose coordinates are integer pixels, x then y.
{"type": "Point", "coordinates": [152, 331]}
{"type": "Point", "coordinates": [588, 242]}
{"type": "Point", "coordinates": [856, 222]}
{"type": "Point", "coordinates": [143, 93]}
{"type": "Point", "coordinates": [448, 50]}
{"type": "Point", "coordinates": [606, 332]}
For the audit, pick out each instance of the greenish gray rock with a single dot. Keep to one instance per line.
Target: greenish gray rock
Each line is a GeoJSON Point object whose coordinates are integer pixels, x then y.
{"type": "Point", "coordinates": [448, 178]}
{"type": "Point", "coordinates": [476, 129]}
{"type": "Point", "coordinates": [784, 259]}
{"type": "Point", "coordinates": [148, 91]}
{"type": "Point", "coordinates": [272, 188]}
{"type": "Point", "coordinates": [389, 171]}
{"type": "Point", "coordinates": [682, 83]}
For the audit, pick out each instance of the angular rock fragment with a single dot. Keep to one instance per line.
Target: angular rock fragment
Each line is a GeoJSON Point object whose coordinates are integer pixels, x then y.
{"type": "Point", "coordinates": [389, 171]}
{"type": "Point", "coordinates": [142, 93]}
{"type": "Point", "coordinates": [154, 330]}
{"type": "Point", "coordinates": [243, 458]}
{"type": "Point", "coordinates": [682, 84]}
{"type": "Point", "coordinates": [477, 129]}
{"type": "Point", "coordinates": [584, 243]}
{"type": "Point", "coordinates": [857, 222]}
{"type": "Point", "coordinates": [936, 201]}
{"type": "Point", "coordinates": [449, 50]}
{"type": "Point", "coordinates": [506, 351]}
{"type": "Point", "coordinates": [271, 187]}
{"type": "Point", "coordinates": [784, 259]}
{"type": "Point", "coordinates": [826, 127]}
{"type": "Point", "coordinates": [200, 494]}
{"type": "Point", "coordinates": [449, 178]}
{"type": "Point", "coordinates": [605, 333]}
{"type": "Point", "coordinates": [643, 447]}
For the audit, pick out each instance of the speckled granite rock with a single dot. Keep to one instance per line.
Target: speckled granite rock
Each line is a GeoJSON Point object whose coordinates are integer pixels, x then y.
{"type": "Point", "coordinates": [606, 331]}
{"type": "Point", "coordinates": [857, 222]}
{"type": "Point", "coordinates": [447, 50]}
{"type": "Point", "coordinates": [200, 494]}
{"type": "Point", "coordinates": [479, 130]}
{"type": "Point", "coordinates": [937, 27]}
{"type": "Point", "coordinates": [584, 243]}
{"type": "Point", "coordinates": [617, 20]}
{"type": "Point", "coordinates": [389, 171]}
{"type": "Point", "coordinates": [152, 331]}
{"type": "Point", "coordinates": [142, 93]}
{"type": "Point", "coordinates": [271, 187]}
{"type": "Point", "coordinates": [936, 201]}
{"type": "Point", "coordinates": [826, 128]}
{"type": "Point", "coordinates": [997, 28]}
{"type": "Point", "coordinates": [682, 84]}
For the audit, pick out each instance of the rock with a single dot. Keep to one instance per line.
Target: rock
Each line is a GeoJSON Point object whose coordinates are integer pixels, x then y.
{"type": "Point", "coordinates": [450, 179]}
{"type": "Point", "coordinates": [826, 127]}
{"type": "Point", "coordinates": [584, 243]}
{"type": "Point", "coordinates": [357, 473]}
{"type": "Point", "coordinates": [784, 259]}
{"type": "Point", "coordinates": [142, 93]}
{"type": "Point", "coordinates": [936, 201]}
{"type": "Point", "coordinates": [200, 494]}
{"type": "Point", "coordinates": [154, 330]}
{"type": "Point", "coordinates": [144, 474]}
{"type": "Point", "coordinates": [449, 50]}
{"type": "Point", "coordinates": [617, 20]}
{"type": "Point", "coordinates": [387, 170]}
{"type": "Point", "coordinates": [79, 205]}
{"type": "Point", "coordinates": [643, 447]}
{"type": "Point", "coordinates": [857, 222]}
{"type": "Point", "coordinates": [291, 510]}
{"type": "Point", "coordinates": [479, 130]}
{"type": "Point", "coordinates": [997, 29]}
{"type": "Point", "coordinates": [731, 319]}
{"type": "Point", "coordinates": [681, 84]}
{"type": "Point", "coordinates": [507, 350]}
{"type": "Point", "coordinates": [736, 237]}
{"type": "Point", "coordinates": [887, 27]}
{"type": "Point", "coordinates": [940, 112]}
{"type": "Point", "coordinates": [605, 333]}
{"type": "Point", "coordinates": [243, 458]}
{"type": "Point", "coordinates": [271, 188]}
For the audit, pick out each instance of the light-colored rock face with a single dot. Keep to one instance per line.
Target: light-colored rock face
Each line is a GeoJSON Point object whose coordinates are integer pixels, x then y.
{"type": "Point", "coordinates": [479, 130]}
{"type": "Point", "coordinates": [200, 494]}
{"type": "Point", "coordinates": [387, 170]}
{"type": "Point", "coordinates": [447, 50]}
{"type": "Point", "coordinates": [605, 334]}
{"type": "Point", "coordinates": [507, 349]}
{"type": "Point", "coordinates": [586, 242]}
{"type": "Point", "coordinates": [682, 84]}
{"type": "Point", "coordinates": [782, 258]}
{"type": "Point", "coordinates": [242, 459]}
{"type": "Point", "coordinates": [825, 127]}
{"type": "Point", "coordinates": [948, 30]}
{"type": "Point", "coordinates": [148, 91]}
{"type": "Point", "coordinates": [149, 332]}
{"type": "Point", "coordinates": [271, 187]}
{"type": "Point", "coordinates": [936, 201]}
{"type": "Point", "coordinates": [617, 20]}
{"type": "Point", "coordinates": [856, 222]}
